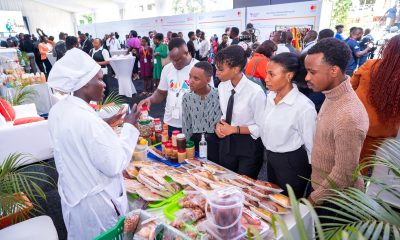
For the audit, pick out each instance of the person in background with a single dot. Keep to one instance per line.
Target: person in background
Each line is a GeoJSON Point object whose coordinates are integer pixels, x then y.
{"type": "Point", "coordinates": [146, 66]}
{"type": "Point", "coordinates": [204, 47]}
{"type": "Point", "coordinates": [309, 40]}
{"type": "Point", "coordinates": [289, 39]}
{"type": "Point", "coordinates": [134, 44]}
{"type": "Point", "coordinates": [151, 36]}
{"type": "Point", "coordinates": [391, 16]}
{"type": "Point", "coordinates": [168, 38]}
{"type": "Point", "coordinates": [342, 123]}
{"type": "Point", "coordinates": [13, 43]}
{"type": "Point", "coordinates": [364, 43]}
{"type": "Point", "coordinates": [174, 83]}
{"type": "Point", "coordinates": [106, 37]}
{"type": "Point", "coordinates": [89, 156]}
{"type": "Point", "coordinates": [287, 125]}
{"type": "Point", "coordinates": [234, 35]}
{"type": "Point", "coordinates": [197, 44]}
{"type": "Point", "coordinates": [44, 49]}
{"type": "Point", "coordinates": [279, 39]}
{"type": "Point", "coordinates": [60, 48]}
{"type": "Point", "coordinates": [201, 110]}
{"type": "Point", "coordinates": [213, 50]}
{"type": "Point", "coordinates": [191, 43]}
{"type": "Point", "coordinates": [256, 68]}
{"type": "Point", "coordinates": [113, 44]}
{"type": "Point", "coordinates": [224, 42]}
{"type": "Point", "coordinates": [325, 33]}
{"type": "Point", "coordinates": [241, 148]}
{"type": "Point", "coordinates": [160, 51]}
{"type": "Point", "coordinates": [86, 44]}
{"type": "Point", "coordinates": [133, 40]}
{"type": "Point", "coordinates": [29, 49]}
{"type": "Point", "coordinates": [102, 57]}
{"type": "Point", "coordinates": [71, 42]}
{"type": "Point", "coordinates": [51, 43]}
{"type": "Point", "coordinates": [180, 34]}
{"type": "Point", "coordinates": [377, 84]}
{"type": "Point", "coordinates": [339, 31]}
{"type": "Point", "coordinates": [356, 52]}
{"type": "Point", "coordinates": [174, 35]}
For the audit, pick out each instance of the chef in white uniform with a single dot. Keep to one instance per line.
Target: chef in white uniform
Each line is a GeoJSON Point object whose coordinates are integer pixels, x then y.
{"type": "Point", "coordinates": [89, 156]}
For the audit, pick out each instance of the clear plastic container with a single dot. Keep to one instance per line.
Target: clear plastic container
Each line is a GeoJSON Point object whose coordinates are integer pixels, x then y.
{"type": "Point", "coordinates": [144, 128]}
{"type": "Point", "coordinates": [140, 153]}
{"type": "Point", "coordinates": [226, 206]}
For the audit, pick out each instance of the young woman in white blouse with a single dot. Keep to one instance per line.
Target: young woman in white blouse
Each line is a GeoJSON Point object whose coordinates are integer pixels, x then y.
{"type": "Point", "coordinates": [287, 125]}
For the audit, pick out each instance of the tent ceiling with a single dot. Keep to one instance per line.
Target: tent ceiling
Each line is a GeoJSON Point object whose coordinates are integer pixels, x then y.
{"type": "Point", "coordinates": [81, 5]}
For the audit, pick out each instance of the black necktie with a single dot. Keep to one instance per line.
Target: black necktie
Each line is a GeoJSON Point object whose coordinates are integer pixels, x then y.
{"type": "Point", "coordinates": [229, 109]}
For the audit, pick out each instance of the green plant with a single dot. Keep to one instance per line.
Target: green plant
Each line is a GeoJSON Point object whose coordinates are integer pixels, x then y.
{"type": "Point", "coordinates": [15, 178]}
{"type": "Point", "coordinates": [22, 95]}
{"type": "Point", "coordinates": [88, 18]}
{"type": "Point", "coordinates": [340, 11]}
{"type": "Point", "coordinates": [358, 215]}
{"type": "Point", "coordinates": [111, 103]}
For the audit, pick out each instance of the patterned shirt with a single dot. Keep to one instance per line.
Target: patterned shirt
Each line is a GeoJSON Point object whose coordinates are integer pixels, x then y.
{"type": "Point", "coordinates": [200, 116]}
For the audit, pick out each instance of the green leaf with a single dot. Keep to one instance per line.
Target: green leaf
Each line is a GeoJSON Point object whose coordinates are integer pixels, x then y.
{"type": "Point", "coordinates": [377, 231]}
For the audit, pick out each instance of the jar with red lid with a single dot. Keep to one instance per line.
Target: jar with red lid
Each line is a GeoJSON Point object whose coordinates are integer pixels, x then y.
{"type": "Point", "coordinates": [157, 125]}
{"type": "Point", "coordinates": [174, 136]}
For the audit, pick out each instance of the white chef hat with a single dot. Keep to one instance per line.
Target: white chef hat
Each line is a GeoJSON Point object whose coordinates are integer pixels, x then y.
{"type": "Point", "coordinates": [73, 71]}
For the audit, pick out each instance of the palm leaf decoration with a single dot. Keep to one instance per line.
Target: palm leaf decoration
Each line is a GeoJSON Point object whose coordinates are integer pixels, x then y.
{"type": "Point", "coordinates": [15, 178]}
{"type": "Point", "coordinates": [22, 95]}
{"type": "Point", "coordinates": [111, 103]}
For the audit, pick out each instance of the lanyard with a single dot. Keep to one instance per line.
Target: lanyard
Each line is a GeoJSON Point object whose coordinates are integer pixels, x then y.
{"type": "Point", "coordinates": [145, 52]}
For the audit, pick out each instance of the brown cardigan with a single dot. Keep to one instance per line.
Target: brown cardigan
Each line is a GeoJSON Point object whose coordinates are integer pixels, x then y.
{"type": "Point", "coordinates": [342, 125]}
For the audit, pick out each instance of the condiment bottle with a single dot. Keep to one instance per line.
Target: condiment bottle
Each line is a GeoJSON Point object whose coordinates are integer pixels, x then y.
{"type": "Point", "coordinates": [181, 142]}
{"type": "Point", "coordinates": [168, 150]}
{"type": "Point", "coordinates": [181, 155]}
{"type": "Point", "coordinates": [190, 149]}
{"type": "Point", "coordinates": [144, 112]}
{"type": "Point", "coordinates": [174, 156]}
{"type": "Point", "coordinates": [203, 147]}
{"type": "Point", "coordinates": [174, 134]}
{"type": "Point", "coordinates": [164, 137]}
{"type": "Point", "coordinates": [157, 125]}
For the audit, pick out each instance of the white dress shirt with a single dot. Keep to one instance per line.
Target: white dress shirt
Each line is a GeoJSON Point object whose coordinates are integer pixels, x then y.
{"type": "Point", "coordinates": [249, 99]}
{"type": "Point", "coordinates": [89, 158]}
{"type": "Point", "coordinates": [288, 125]}
{"type": "Point", "coordinates": [113, 44]}
{"type": "Point", "coordinates": [204, 48]}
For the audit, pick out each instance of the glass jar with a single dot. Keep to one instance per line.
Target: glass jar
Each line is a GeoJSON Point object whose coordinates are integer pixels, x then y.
{"type": "Point", "coordinates": [174, 156]}
{"type": "Point", "coordinates": [144, 128]}
{"type": "Point", "coordinates": [181, 156]}
{"type": "Point", "coordinates": [174, 135]}
{"type": "Point", "coordinates": [157, 125]}
{"type": "Point", "coordinates": [181, 142]}
{"type": "Point", "coordinates": [164, 137]}
{"type": "Point", "coordinates": [190, 149]}
{"type": "Point", "coordinates": [168, 150]}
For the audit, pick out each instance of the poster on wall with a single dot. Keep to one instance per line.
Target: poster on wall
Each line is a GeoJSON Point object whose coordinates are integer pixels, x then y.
{"type": "Point", "coordinates": [11, 22]}
{"type": "Point", "coordinates": [300, 17]}
{"type": "Point", "coordinates": [215, 22]}
{"type": "Point", "coordinates": [179, 23]}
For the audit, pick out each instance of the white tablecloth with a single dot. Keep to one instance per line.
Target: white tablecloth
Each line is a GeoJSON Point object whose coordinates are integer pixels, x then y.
{"type": "Point", "coordinates": [43, 100]}
{"type": "Point", "coordinates": [41, 227]}
{"type": "Point", "coordinates": [123, 67]}
{"type": "Point", "coordinates": [51, 58]}
{"type": "Point", "coordinates": [119, 52]}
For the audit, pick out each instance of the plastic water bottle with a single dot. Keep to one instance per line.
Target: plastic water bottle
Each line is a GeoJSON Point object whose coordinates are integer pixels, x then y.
{"type": "Point", "coordinates": [203, 147]}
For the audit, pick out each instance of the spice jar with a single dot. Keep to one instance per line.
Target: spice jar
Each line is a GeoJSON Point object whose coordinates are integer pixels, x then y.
{"type": "Point", "coordinates": [157, 125]}
{"type": "Point", "coordinates": [163, 144]}
{"type": "Point", "coordinates": [164, 137]}
{"type": "Point", "coordinates": [181, 156]}
{"type": "Point", "coordinates": [174, 135]}
{"type": "Point", "coordinates": [144, 128]}
{"type": "Point", "coordinates": [144, 113]}
{"type": "Point", "coordinates": [174, 156]}
{"type": "Point", "coordinates": [181, 142]}
{"type": "Point", "coordinates": [190, 149]}
{"type": "Point", "coordinates": [168, 150]}
{"type": "Point", "coordinates": [165, 127]}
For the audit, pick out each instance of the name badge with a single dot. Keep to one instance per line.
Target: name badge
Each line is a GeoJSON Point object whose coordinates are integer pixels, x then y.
{"type": "Point", "coordinates": [145, 60]}
{"type": "Point", "coordinates": [155, 60]}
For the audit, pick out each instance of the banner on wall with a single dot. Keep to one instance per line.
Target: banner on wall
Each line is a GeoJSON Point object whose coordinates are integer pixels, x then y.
{"type": "Point", "coordinates": [179, 23]}
{"type": "Point", "coordinates": [301, 15]}
{"type": "Point", "coordinates": [12, 22]}
{"type": "Point", "coordinates": [215, 22]}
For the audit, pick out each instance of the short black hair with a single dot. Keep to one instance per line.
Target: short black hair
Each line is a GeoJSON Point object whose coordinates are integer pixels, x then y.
{"type": "Point", "coordinates": [339, 26]}
{"type": "Point", "coordinates": [207, 68]}
{"type": "Point", "coordinates": [147, 40]}
{"type": "Point", "coordinates": [290, 62]}
{"type": "Point", "coordinates": [336, 52]}
{"type": "Point", "coordinates": [174, 35]}
{"type": "Point", "coordinates": [61, 35]}
{"type": "Point", "coordinates": [313, 34]}
{"type": "Point", "coordinates": [51, 38]}
{"type": "Point", "coordinates": [233, 56]}
{"type": "Point", "coordinates": [325, 33]}
{"type": "Point", "coordinates": [87, 34]}
{"type": "Point", "coordinates": [159, 36]}
{"type": "Point", "coordinates": [150, 32]}
{"type": "Point", "coordinates": [101, 41]}
{"type": "Point", "coordinates": [352, 29]}
{"type": "Point", "coordinates": [227, 29]}
{"type": "Point", "coordinates": [176, 43]}
{"type": "Point", "coordinates": [223, 35]}
{"type": "Point", "coordinates": [190, 34]}
{"type": "Point", "coordinates": [267, 48]}
{"type": "Point", "coordinates": [134, 33]}
{"type": "Point", "coordinates": [235, 31]}
{"type": "Point", "coordinates": [198, 30]}
{"type": "Point", "coordinates": [70, 42]}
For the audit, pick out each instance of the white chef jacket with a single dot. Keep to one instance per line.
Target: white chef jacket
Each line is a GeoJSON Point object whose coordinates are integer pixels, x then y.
{"type": "Point", "coordinates": [89, 158]}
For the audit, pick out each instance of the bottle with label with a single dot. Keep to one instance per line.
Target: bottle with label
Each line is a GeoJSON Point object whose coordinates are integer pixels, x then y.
{"type": "Point", "coordinates": [144, 113]}
{"type": "Point", "coordinates": [203, 147]}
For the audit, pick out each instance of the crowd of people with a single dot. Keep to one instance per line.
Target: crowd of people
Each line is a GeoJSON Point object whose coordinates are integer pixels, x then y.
{"type": "Point", "coordinates": [268, 110]}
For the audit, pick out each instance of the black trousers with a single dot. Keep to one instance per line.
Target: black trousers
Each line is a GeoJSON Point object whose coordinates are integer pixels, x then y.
{"type": "Point", "coordinates": [212, 145]}
{"type": "Point", "coordinates": [289, 168]}
{"type": "Point", "coordinates": [241, 154]}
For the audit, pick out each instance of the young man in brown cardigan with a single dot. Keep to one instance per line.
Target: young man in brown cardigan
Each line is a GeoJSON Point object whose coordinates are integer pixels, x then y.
{"type": "Point", "coordinates": [342, 122]}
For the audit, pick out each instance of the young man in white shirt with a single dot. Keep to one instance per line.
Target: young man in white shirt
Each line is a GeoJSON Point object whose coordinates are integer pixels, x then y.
{"type": "Point", "coordinates": [204, 47]}
{"type": "Point", "coordinates": [241, 149]}
{"type": "Point", "coordinates": [174, 83]}
{"type": "Point", "coordinates": [112, 43]}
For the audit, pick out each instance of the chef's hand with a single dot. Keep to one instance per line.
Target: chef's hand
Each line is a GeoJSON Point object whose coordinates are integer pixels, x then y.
{"type": "Point", "coordinates": [218, 131]}
{"type": "Point", "coordinates": [117, 120]}
{"type": "Point", "coordinates": [146, 102]}
{"type": "Point", "coordinates": [133, 116]}
{"type": "Point", "coordinates": [226, 129]}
